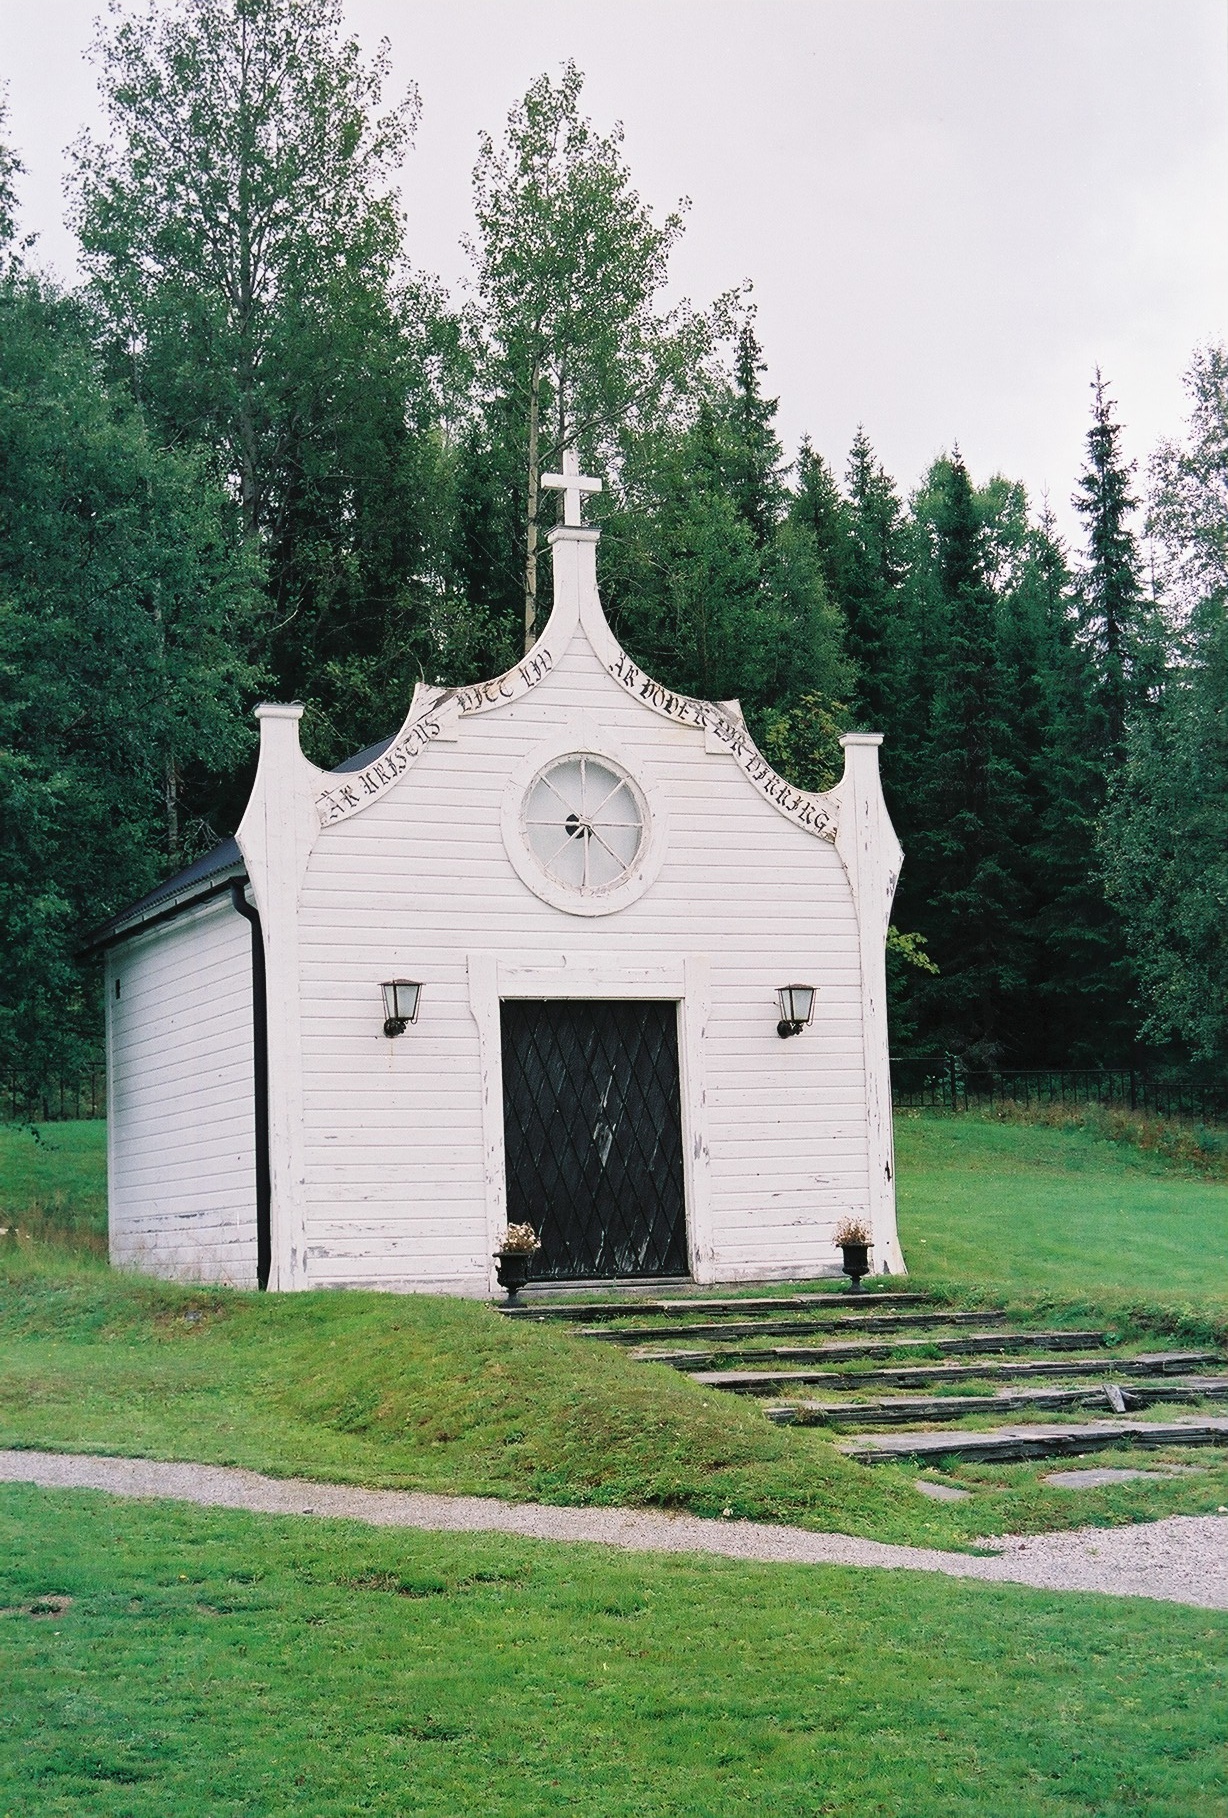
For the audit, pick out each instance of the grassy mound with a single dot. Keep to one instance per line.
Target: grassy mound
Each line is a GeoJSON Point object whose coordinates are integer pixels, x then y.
{"type": "Point", "coordinates": [436, 1394]}
{"type": "Point", "coordinates": [416, 1392]}
{"type": "Point", "coordinates": [421, 1392]}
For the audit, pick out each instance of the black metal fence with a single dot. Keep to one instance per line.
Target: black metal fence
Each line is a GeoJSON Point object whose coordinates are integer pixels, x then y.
{"type": "Point", "coordinates": [55, 1101]}
{"type": "Point", "coordinates": [944, 1082]}
{"type": "Point", "coordinates": [927, 1082]}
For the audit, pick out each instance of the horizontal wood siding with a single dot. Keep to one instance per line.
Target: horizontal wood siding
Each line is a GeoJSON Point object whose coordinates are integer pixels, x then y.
{"type": "Point", "coordinates": [182, 1111]}
{"type": "Point", "coordinates": [420, 880]}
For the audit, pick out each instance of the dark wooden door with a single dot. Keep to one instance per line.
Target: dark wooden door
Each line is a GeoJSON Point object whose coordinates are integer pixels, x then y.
{"type": "Point", "coordinates": [593, 1135]}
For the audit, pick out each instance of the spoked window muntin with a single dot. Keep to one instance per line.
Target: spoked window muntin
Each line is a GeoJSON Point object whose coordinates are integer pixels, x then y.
{"type": "Point", "coordinates": [585, 822]}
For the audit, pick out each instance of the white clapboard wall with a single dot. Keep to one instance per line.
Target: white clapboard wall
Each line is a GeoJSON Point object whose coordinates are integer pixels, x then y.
{"type": "Point", "coordinates": [387, 1154]}
{"type": "Point", "coordinates": [181, 1139]}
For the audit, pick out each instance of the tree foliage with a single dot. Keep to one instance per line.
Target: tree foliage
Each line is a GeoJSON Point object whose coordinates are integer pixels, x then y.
{"type": "Point", "coordinates": [1166, 854]}
{"type": "Point", "coordinates": [242, 239]}
{"type": "Point", "coordinates": [10, 170]}
{"type": "Point", "coordinates": [1187, 516]}
{"type": "Point", "coordinates": [1165, 834]}
{"type": "Point", "coordinates": [258, 452]}
{"type": "Point", "coordinates": [711, 582]}
{"type": "Point", "coordinates": [243, 175]}
{"type": "Point", "coordinates": [121, 602]}
{"type": "Point", "coordinates": [1112, 608]}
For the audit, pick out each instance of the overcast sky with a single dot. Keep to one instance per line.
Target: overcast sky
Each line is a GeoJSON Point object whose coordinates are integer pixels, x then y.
{"type": "Point", "coordinates": [951, 210]}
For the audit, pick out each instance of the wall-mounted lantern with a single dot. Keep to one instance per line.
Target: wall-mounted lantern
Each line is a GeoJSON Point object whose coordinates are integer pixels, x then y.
{"type": "Point", "coordinates": [401, 997]}
{"type": "Point", "coordinates": [796, 1008]}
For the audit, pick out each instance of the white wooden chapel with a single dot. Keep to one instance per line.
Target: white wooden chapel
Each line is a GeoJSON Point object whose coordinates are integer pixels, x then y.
{"type": "Point", "coordinates": [600, 889]}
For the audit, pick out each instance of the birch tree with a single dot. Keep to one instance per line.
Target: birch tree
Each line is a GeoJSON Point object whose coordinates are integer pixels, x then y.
{"type": "Point", "coordinates": [242, 238]}
{"type": "Point", "coordinates": [569, 266]}
{"type": "Point", "coordinates": [1164, 834]}
{"type": "Point", "coordinates": [243, 170]}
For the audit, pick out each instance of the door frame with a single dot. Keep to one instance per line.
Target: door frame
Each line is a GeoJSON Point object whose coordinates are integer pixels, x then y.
{"type": "Point", "coordinates": [685, 982]}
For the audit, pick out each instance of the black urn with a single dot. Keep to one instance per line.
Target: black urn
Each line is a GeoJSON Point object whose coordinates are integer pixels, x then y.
{"type": "Point", "coordinates": [512, 1267]}
{"type": "Point", "coordinates": [856, 1264]}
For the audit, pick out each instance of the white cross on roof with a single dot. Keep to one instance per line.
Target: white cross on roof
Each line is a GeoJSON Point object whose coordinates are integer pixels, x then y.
{"type": "Point", "coordinates": [572, 484]}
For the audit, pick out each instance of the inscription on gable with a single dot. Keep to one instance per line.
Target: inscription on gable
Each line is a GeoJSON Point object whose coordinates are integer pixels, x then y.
{"type": "Point", "coordinates": [483, 695]}
{"type": "Point", "coordinates": [809, 811]}
{"type": "Point", "coordinates": [347, 797]}
{"type": "Point", "coordinates": [357, 790]}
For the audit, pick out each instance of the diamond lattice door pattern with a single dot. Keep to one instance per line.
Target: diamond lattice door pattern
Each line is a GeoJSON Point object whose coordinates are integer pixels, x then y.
{"type": "Point", "coordinates": [594, 1137]}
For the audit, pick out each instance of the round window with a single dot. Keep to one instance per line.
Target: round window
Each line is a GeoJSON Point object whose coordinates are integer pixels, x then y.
{"type": "Point", "coordinates": [584, 822]}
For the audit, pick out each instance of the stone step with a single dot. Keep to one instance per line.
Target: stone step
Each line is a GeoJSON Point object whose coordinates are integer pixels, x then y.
{"type": "Point", "coordinates": [794, 1328]}
{"type": "Point", "coordinates": [922, 1375]}
{"type": "Point", "coordinates": [753, 1382]}
{"type": "Point", "coordinates": [633, 1306]}
{"type": "Point", "coordinates": [1006, 1443]}
{"type": "Point", "coordinates": [722, 1352]}
{"type": "Point", "coordinates": [930, 1409]}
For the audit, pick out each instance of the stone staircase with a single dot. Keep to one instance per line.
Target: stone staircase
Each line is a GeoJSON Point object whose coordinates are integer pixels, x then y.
{"type": "Point", "coordinates": [846, 1357]}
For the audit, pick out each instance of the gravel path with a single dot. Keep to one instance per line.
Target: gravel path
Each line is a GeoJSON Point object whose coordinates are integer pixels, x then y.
{"type": "Point", "coordinates": [1181, 1560]}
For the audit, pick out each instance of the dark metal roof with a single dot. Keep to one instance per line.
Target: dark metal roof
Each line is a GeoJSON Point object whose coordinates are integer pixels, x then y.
{"type": "Point", "coordinates": [361, 759]}
{"type": "Point", "coordinates": [202, 877]}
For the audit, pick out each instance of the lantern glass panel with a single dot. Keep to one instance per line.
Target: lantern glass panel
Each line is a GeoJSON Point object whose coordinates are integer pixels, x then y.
{"type": "Point", "coordinates": [796, 1003]}
{"type": "Point", "coordinates": [401, 1000]}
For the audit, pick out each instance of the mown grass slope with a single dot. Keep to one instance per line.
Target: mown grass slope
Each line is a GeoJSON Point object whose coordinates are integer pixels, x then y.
{"type": "Point", "coordinates": [413, 1391]}
{"type": "Point", "coordinates": [438, 1394]}
{"type": "Point", "coordinates": [1026, 1209]}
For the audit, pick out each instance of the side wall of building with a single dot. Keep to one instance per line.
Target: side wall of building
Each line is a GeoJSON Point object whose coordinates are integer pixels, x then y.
{"type": "Point", "coordinates": [181, 1105]}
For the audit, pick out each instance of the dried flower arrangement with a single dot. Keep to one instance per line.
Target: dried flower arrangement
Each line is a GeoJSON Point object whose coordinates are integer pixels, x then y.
{"type": "Point", "coordinates": [852, 1231]}
{"type": "Point", "coordinates": [521, 1240]}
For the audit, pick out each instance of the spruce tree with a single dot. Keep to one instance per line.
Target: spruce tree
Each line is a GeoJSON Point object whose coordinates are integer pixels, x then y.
{"type": "Point", "coordinates": [710, 583]}
{"type": "Point", "coordinates": [965, 877]}
{"type": "Point", "coordinates": [1110, 585]}
{"type": "Point", "coordinates": [1165, 830]}
{"type": "Point", "coordinates": [1078, 1009]}
{"type": "Point", "coordinates": [754, 456]}
{"type": "Point", "coordinates": [871, 579]}
{"type": "Point", "coordinates": [817, 505]}
{"type": "Point", "coordinates": [1165, 843]}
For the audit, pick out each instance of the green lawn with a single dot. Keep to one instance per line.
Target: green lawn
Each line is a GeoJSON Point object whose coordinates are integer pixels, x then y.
{"type": "Point", "coordinates": [1004, 1206]}
{"type": "Point", "coordinates": [1028, 1210]}
{"type": "Point", "coordinates": [408, 1391]}
{"type": "Point", "coordinates": [212, 1663]}
{"type": "Point", "coordinates": [55, 1180]}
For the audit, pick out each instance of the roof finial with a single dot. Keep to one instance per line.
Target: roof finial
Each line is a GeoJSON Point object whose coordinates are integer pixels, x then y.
{"type": "Point", "coordinates": [572, 484]}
